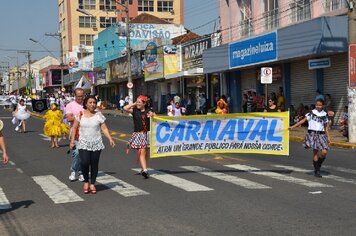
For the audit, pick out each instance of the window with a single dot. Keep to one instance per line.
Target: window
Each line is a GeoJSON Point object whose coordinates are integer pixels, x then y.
{"type": "Point", "coordinates": [87, 4]}
{"type": "Point", "coordinates": [271, 14]}
{"type": "Point", "coordinates": [107, 21]}
{"type": "Point", "coordinates": [87, 22]}
{"type": "Point", "coordinates": [145, 5]}
{"type": "Point", "coordinates": [331, 5]}
{"type": "Point", "coordinates": [107, 5]}
{"type": "Point", "coordinates": [300, 10]}
{"type": "Point", "coordinates": [165, 6]}
{"type": "Point", "coordinates": [81, 55]}
{"type": "Point", "coordinates": [246, 19]}
{"type": "Point", "coordinates": [86, 39]}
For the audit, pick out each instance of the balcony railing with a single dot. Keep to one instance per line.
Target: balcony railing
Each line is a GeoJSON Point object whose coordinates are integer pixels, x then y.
{"type": "Point", "coordinates": [271, 19]}
{"type": "Point", "coordinates": [332, 5]}
{"type": "Point", "coordinates": [246, 28]}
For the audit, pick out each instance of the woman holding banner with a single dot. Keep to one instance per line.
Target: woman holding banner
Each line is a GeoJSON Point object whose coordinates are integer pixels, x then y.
{"type": "Point", "coordinates": [140, 138]}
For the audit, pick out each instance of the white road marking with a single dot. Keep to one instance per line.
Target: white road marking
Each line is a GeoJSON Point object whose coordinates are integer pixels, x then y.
{"type": "Point", "coordinates": [176, 181]}
{"type": "Point", "coordinates": [274, 175]}
{"type": "Point", "coordinates": [12, 163]}
{"type": "Point", "coordinates": [316, 192]}
{"type": "Point", "coordinates": [4, 203]}
{"type": "Point", "coordinates": [6, 117]}
{"type": "Point", "coordinates": [228, 178]}
{"type": "Point", "coordinates": [19, 170]}
{"type": "Point", "coordinates": [56, 190]}
{"type": "Point", "coordinates": [333, 177]}
{"type": "Point", "coordinates": [119, 186]}
{"type": "Point", "coordinates": [341, 169]}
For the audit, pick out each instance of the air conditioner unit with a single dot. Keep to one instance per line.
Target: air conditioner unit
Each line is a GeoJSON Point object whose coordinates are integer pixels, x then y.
{"type": "Point", "coordinates": [171, 11]}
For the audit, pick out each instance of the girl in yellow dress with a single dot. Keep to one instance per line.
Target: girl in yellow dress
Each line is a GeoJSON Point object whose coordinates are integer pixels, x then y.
{"type": "Point", "coordinates": [54, 126]}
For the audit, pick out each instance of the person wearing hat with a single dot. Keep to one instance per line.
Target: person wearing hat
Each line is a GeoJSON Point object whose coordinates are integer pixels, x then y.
{"type": "Point", "coordinates": [177, 109]}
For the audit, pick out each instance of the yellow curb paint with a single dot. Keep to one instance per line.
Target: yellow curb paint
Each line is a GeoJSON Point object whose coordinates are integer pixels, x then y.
{"type": "Point", "coordinates": [122, 135]}
{"type": "Point", "coordinates": [218, 158]}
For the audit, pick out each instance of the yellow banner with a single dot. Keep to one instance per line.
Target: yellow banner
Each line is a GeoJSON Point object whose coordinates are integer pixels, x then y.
{"type": "Point", "coordinates": [263, 133]}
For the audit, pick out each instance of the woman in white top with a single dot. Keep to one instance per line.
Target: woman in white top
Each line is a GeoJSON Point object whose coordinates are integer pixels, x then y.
{"type": "Point", "coordinates": [21, 114]}
{"type": "Point", "coordinates": [90, 142]}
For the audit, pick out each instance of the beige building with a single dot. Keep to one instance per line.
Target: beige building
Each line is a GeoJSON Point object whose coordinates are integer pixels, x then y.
{"type": "Point", "coordinates": [77, 30]}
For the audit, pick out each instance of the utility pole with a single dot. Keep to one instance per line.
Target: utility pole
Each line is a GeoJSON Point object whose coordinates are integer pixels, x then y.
{"type": "Point", "coordinates": [29, 70]}
{"type": "Point", "coordinates": [352, 64]}
{"type": "Point", "coordinates": [59, 35]}
{"type": "Point", "coordinates": [128, 47]}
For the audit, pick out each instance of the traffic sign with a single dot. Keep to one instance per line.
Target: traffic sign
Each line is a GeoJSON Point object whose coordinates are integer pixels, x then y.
{"type": "Point", "coordinates": [129, 85]}
{"type": "Point", "coordinates": [266, 75]}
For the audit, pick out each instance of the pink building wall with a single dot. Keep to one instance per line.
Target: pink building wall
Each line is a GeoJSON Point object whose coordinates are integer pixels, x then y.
{"type": "Point", "coordinates": [230, 15]}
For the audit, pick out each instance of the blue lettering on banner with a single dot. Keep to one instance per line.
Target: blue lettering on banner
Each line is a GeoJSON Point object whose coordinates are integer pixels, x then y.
{"type": "Point", "coordinates": [264, 129]}
{"type": "Point", "coordinates": [252, 51]}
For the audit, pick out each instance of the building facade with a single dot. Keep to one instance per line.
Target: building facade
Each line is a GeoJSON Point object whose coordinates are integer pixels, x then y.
{"type": "Point", "coordinates": [77, 30]}
{"type": "Point", "coordinates": [305, 43]}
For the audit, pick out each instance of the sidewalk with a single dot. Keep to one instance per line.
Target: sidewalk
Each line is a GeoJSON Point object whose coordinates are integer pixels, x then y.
{"type": "Point", "coordinates": [297, 134]}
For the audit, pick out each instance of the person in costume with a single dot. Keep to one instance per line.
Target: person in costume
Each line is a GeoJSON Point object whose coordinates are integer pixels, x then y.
{"type": "Point", "coordinates": [54, 126]}
{"type": "Point", "coordinates": [221, 106]}
{"type": "Point", "coordinates": [140, 138]}
{"type": "Point", "coordinates": [318, 137]}
{"type": "Point", "coordinates": [21, 114]}
{"type": "Point", "coordinates": [176, 109]}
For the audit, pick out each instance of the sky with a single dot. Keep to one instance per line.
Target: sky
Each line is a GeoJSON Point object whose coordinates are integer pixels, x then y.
{"type": "Point", "coordinates": [21, 20]}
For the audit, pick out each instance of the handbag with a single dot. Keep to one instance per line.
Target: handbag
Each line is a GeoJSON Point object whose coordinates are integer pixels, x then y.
{"type": "Point", "coordinates": [76, 137]}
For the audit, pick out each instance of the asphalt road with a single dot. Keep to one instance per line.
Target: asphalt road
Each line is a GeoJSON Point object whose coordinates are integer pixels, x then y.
{"type": "Point", "coordinates": [188, 195]}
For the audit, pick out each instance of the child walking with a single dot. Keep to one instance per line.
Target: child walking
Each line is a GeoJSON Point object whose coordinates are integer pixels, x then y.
{"type": "Point", "coordinates": [140, 141]}
{"type": "Point", "coordinates": [318, 137]}
{"type": "Point", "coordinates": [54, 127]}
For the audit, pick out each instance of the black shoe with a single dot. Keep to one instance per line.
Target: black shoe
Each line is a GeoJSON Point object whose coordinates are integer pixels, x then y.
{"type": "Point", "coordinates": [144, 173]}
{"type": "Point", "coordinates": [317, 174]}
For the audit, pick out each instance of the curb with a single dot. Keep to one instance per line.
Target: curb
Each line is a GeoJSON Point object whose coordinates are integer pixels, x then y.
{"type": "Point", "coordinates": [291, 138]}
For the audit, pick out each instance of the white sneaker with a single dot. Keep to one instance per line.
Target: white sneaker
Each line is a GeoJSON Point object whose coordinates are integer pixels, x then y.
{"type": "Point", "coordinates": [17, 128]}
{"type": "Point", "coordinates": [81, 178]}
{"type": "Point", "coordinates": [72, 176]}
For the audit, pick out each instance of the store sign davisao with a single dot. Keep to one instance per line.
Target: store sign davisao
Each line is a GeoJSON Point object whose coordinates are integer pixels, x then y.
{"type": "Point", "coordinates": [253, 51]}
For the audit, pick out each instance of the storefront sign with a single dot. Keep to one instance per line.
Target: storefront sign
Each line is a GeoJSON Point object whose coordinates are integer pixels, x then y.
{"type": "Point", "coordinates": [253, 51]}
{"type": "Point", "coordinates": [232, 133]}
{"type": "Point", "coordinates": [119, 67]}
{"type": "Point", "coordinates": [150, 31]}
{"type": "Point", "coordinates": [319, 63]}
{"type": "Point", "coordinates": [192, 53]}
{"type": "Point", "coordinates": [153, 62]}
{"type": "Point", "coordinates": [171, 65]}
{"type": "Point", "coordinates": [352, 65]}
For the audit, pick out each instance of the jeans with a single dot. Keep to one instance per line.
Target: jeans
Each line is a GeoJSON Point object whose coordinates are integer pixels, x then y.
{"type": "Point", "coordinates": [89, 160]}
{"type": "Point", "coordinates": [75, 167]}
